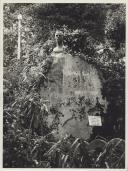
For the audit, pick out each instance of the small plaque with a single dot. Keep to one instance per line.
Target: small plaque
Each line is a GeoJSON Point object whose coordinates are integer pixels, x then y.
{"type": "Point", "coordinates": [95, 121]}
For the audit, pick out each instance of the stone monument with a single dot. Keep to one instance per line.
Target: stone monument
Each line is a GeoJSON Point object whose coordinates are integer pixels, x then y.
{"type": "Point", "coordinates": [72, 89]}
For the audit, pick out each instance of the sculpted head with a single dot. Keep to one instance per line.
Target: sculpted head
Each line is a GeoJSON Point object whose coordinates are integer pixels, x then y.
{"type": "Point", "coordinates": [59, 37]}
{"type": "Point", "coordinates": [59, 42]}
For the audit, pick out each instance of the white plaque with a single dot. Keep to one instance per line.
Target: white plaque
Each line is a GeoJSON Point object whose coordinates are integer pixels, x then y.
{"type": "Point", "coordinates": [95, 121]}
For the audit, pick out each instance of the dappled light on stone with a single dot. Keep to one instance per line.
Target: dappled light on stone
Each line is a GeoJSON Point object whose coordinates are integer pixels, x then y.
{"type": "Point", "coordinates": [73, 86]}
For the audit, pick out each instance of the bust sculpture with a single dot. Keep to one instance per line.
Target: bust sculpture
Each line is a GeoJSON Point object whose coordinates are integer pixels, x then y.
{"type": "Point", "coordinates": [59, 54]}
{"type": "Point", "coordinates": [59, 42]}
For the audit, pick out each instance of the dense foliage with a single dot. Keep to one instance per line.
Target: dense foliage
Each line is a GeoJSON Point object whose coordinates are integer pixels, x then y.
{"type": "Point", "coordinates": [89, 32]}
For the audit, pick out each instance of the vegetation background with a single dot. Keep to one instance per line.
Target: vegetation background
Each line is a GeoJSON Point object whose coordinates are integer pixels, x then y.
{"type": "Point", "coordinates": [95, 32]}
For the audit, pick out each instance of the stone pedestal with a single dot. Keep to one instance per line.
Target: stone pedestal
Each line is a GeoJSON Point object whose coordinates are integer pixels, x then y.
{"type": "Point", "coordinates": [72, 88]}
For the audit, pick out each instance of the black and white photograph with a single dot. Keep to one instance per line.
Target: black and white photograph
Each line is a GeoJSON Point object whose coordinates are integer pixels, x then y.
{"type": "Point", "coordinates": [64, 85]}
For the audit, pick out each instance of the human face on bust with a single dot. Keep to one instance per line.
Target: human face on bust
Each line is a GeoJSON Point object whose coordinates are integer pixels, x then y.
{"type": "Point", "coordinates": [59, 37]}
